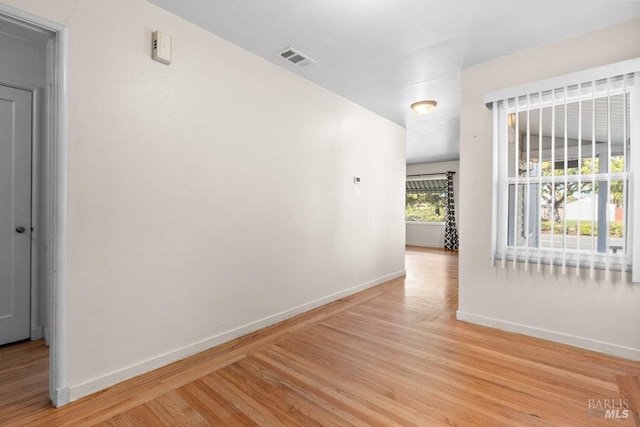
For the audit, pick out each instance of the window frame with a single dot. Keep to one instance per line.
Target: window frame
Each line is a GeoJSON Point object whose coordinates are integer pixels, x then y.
{"type": "Point", "coordinates": [498, 102]}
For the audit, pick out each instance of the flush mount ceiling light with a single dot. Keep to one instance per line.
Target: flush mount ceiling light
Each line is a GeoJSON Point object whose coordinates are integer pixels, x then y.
{"type": "Point", "coordinates": [423, 107]}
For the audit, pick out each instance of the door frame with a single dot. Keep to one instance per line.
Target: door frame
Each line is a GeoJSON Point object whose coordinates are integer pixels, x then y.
{"type": "Point", "coordinates": [55, 210]}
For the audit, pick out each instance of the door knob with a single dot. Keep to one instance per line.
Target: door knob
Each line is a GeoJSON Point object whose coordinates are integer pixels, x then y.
{"type": "Point", "coordinates": [20, 229]}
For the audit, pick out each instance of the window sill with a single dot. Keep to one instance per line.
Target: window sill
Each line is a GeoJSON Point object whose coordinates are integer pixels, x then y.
{"type": "Point", "coordinates": [422, 223]}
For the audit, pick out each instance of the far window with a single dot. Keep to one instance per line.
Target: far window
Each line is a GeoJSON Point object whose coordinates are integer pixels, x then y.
{"type": "Point", "coordinates": [426, 200]}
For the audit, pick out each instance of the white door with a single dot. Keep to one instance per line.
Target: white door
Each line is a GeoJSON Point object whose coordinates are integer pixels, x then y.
{"type": "Point", "coordinates": [15, 214]}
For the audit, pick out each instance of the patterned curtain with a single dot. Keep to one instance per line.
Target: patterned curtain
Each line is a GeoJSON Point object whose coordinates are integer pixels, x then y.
{"type": "Point", "coordinates": [450, 230]}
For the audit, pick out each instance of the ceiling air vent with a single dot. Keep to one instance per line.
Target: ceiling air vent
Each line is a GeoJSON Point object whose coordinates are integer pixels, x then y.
{"type": "Point", "coordinates": [295, 57]}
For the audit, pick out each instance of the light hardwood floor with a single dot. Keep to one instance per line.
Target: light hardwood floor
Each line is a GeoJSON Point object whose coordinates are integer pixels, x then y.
{"type": "Point", "coordinates": [392, 355]}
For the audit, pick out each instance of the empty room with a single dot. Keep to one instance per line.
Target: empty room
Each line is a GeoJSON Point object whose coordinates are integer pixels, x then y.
{"type": "Point", "coordinates": [319, 212]}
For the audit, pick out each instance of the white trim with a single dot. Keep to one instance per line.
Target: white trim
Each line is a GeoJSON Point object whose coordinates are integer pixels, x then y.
{"type": "Point", "coordinates": [29, 20]}
{"type": "Point", "coordinates": [61, 395]}
{"type": "Point", "coordinates": [56, 211]}
{"type": "Point", "coordinates": [35, 234]}
{"type": "Point", "coordinates": [100, 383]}
{"type": "Point", "coordinates": [572, 340]}
{"type": "Point", "coordinates": [58, 290]}
{"type": "Point", "coordinates": [593, 74]}
{"type": "Point", "coordinates": [634, 190]}
{"type": "Point", "coordinates": [434, 223]}
{"type": "Point", "coordinates": [18, 85]}
{"type": "Point", "coordinates": [427, 177]}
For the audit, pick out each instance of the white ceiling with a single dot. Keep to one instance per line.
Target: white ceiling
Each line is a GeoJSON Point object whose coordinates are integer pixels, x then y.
{"type": "Point", "coordinates": [387, 54]}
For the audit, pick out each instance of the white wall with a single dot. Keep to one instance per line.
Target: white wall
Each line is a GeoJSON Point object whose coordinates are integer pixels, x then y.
{"type": "Point", "coordinates": [425, 234]}
{"type": "Point", "coordinates": [599, 314]}
{"type": "Point", "coordinates": [428, 234]}
{"type": "Point", "coordinates": [210, 197]}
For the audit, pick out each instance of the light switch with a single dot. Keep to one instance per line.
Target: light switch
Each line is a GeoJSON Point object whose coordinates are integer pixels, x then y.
{"type": "Point", "coordinates": [161, 47]}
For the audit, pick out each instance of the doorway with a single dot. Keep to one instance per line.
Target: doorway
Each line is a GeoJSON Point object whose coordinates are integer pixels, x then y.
{"type": "Point", "coordinates": [33, 141]}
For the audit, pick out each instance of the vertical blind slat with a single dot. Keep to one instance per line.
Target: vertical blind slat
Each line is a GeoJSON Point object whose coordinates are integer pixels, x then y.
{"type": "Point", "coordinates": [566, 184]}
{"type": "Point", "coordinates": [625, 169]}
{"type": "Point", "coordinates": [578, 232]}
{"type": "Point", "coordinates": [539, 172]}
{"type": "Point", "coordinates": [527, 198]}
{"type": "Point", "coordinates": [609, 170]}
{"type": "Point", "coordinates": [552, 215]}
{"type": "Point", "coordinates": [505, 167]}
{"type": "Point", "coordinates": [496, 189]}
{"type": "Point", "coordinates": [516, 191]}
{"type": "Point", "coordinates": [593, 176]}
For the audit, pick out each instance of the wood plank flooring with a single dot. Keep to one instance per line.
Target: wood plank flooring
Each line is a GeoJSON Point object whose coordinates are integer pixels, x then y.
{"type": "Point", "coordinates": [391, 355]}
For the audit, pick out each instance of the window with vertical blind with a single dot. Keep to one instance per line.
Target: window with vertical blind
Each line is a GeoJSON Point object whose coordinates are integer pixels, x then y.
{"type": "Point", "coordinates": [565, 166]}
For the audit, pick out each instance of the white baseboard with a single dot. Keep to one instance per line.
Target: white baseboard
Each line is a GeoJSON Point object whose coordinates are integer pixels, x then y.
{"type": "Point", "coordinates": [45, 335]}
{"type": "Point", "coordinates": [60, 397]}
{"type": "Point", "coordinates": [36, 333]}
{"type": "Point", "coordinates": [100, 383]}
{"type": "Point", "coordinates": [602, 347]}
